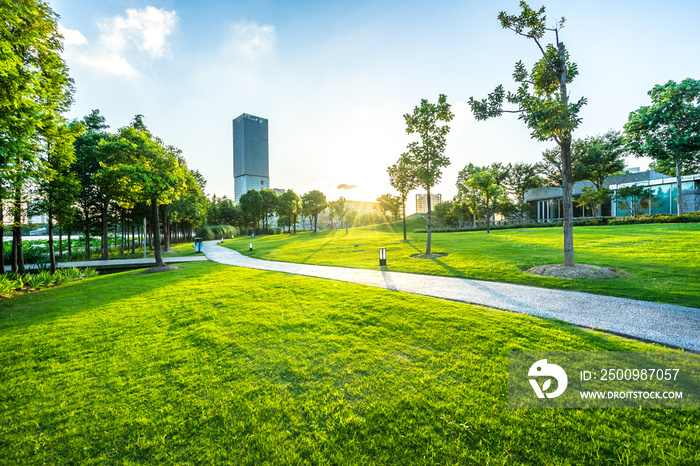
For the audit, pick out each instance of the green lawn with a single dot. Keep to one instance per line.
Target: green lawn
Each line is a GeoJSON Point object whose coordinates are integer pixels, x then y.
{"type": "Point", "coordinates": [662, 261]}
{"type": "Point", "coordinates": [223, 365]}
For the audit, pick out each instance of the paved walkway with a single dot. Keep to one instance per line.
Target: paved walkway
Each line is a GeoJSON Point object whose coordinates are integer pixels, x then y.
{"type": "Point", "coordinates": [663, 323]}
{"type": "Point", "coordinates": [118, 263]}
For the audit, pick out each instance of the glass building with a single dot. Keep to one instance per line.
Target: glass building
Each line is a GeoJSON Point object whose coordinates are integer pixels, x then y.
{"type": "Point", "coordinates": [251, 167]}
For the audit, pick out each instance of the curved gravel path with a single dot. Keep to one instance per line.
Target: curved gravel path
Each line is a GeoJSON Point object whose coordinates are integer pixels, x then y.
{"type": "Point", "coordinates": [667, 324]}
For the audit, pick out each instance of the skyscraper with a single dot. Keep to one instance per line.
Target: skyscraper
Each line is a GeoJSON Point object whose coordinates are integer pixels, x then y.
{"type": "Point", "coordinates": [251, 165]}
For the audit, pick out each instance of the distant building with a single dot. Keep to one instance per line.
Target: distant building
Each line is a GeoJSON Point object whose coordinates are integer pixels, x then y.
{"type": "Point", "coordinates": [279, 191]}
{"type": "Point", "coordinates": [251, 166]}
{"type": "Point", "coordinates": [547, 201]}
{"type": "Point", "coordinates": [422, 202]}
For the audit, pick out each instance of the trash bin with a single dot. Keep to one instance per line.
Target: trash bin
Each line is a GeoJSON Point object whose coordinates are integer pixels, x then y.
{"type": "Point", "coordinates": [198, 242]}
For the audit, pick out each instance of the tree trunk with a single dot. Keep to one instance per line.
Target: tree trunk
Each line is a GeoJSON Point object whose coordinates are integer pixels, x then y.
{"type": "Point", "coordinates": [679, 171]}
{"type": "Point", "coordinates": [427, 243]}
{"type": "Point", "coordinates": [404, 218]}
{"type": "Point", "coordinates": [488, 216]}
{"type": "Point", "coordinates": [2, 239]}
{"type": "Point", "coordinates": [156, 233]}
{"type": "Point", "coordinates": [567, 199]}
{"type": "Point", "coordinates": [166, 228]}
{"type": "Point", "coordinates": [87, 233]}
{"type": "Point", "coordinates": [123, 227]}
{"type": "Point", "coordinates": [70, 251]}
{"type": "Point", "coordinates": [566, 175]}
{"type": "Point", "coordinates": [60, 243]}
{"type": "Point", "coordinates": [52, 253]}
{"type": "Point", "coordinates": [105, 230]}
{"type": "Point", "coordinates": [17, 252]}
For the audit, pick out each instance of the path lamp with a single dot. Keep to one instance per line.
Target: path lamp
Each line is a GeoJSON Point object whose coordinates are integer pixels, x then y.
{"type": "Point", "coordinates": [382, 257]}
{"type": "Point", "coordinates": [250, 246]}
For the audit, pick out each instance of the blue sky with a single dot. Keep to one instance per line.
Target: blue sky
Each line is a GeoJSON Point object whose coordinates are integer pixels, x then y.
{"type": "Point", "coordinates": [335, 78]}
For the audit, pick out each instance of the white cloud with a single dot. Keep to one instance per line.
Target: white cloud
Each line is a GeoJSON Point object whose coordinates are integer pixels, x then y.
{"type": "Point", "coordinates": [71, 36]}
{"type": "Point", "coordinates": [145, 30]}
{"type": "Point", "coordinates": [148, 29]}
{"type": "Point", "coordinates": [109, 63]}
{"type": "Point", "coordinates": [251, 40]}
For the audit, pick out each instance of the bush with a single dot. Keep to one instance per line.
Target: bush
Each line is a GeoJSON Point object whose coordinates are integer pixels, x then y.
{"type": "Point", "coordinates": [209, 233]}
{"type": "Point", "coordinates": [656, 218]}
{"type": "Point", "coordinates": [10, 282]}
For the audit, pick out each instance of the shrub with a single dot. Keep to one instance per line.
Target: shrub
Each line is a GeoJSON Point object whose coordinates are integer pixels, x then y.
{"type": "Point", "coordinates": [217, 232]}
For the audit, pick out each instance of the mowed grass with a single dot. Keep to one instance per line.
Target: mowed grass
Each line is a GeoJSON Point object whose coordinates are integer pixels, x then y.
{"type": "Point", "coordinates": [223, 365]}
{"type": "Point", "coordinates": [661, 262]}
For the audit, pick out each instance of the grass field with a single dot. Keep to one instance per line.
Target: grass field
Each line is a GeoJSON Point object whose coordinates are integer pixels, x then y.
{"type": "Point", "coordinates": [661, 262]}
{"type": "Point", "coordinates": [222, 365]}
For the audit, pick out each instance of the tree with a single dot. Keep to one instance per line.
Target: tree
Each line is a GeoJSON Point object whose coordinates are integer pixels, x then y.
{"type": "Point", "coordinates": [522, 177]}
{"type": "Point", "coordinates": [268, 205]}
{"type": "Point", "coordinates": [57, 186]}
{"type": "Point", "coordinates": [542, 100]}
{"type": "Point", "coordinates": [150, 169]}
{"type": "Point", "coordinates": [441, 213]}
{"type": "Point", "coordinates": [427, 158]}
{"type": "Point", "coordinates": [289, 206]}
{"type": "Point", "coordinates": [337, 209]}
{"type": "Point", "coordinates": [486, 183]}
{"type": "Point", "coordinates": [636, 199]}
{"type": "Point", "coordinates": [594, 198]}
{"type": "Point", "coordinates": [668, 131]}
{"type": "Point", "coordinates": [251, 205]}
{"type": "Point", "coordinates": [313, 204]}
{"type": "Point", "coordinates": [600, 157]}
{"type": "Point", "coordinates": [86, 166]}
{"type": "Point", "coordinates": [35, 89]}
{"type": "Point", "coordinates": [390, 204]}
{"type": "Point", "coordinates": [469, 197]}
{"type": "Point", "coordinates": [402, 179]}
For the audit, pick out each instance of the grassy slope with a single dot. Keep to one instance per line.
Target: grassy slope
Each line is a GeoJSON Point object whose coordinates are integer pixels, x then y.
{"type": "Point", "coordinates": [662, 262]}
{"type": "Point", "coordinates": [215, 364]}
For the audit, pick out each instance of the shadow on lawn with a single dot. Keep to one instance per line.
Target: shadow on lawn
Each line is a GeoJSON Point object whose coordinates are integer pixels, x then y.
{"type": "Point", "coordinates": [87, 295]}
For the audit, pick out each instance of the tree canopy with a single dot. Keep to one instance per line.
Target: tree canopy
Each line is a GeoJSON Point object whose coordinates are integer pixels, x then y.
{"type": "Point", "coordinates": [427, 157]}
{"type": "Point", "coordinates": [668, 130]}
{"type": "Point", "coordinates": [542, 99]}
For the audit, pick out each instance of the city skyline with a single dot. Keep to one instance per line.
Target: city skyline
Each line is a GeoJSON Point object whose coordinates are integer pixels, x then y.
{"type": "Point", "coordinates": [337, 78]}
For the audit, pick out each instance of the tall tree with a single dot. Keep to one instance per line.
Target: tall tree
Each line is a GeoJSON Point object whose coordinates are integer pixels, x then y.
{"type": "Point", "coordinates": [427, 157]}
{"type": "Point", "coordinates": [251, 205]}
{"type": "Point", "coordinates": [600, 157]}
{"type": "Point", "coordinates": [86, 166]}
{"type": "Point", "coordinates": [668, 131]}
{"type": "Point", "coordinates": [468, 196]}
{"type": "Point", "coordinates": [542, 100]}
{"type": "Point", "coordinates": [486, 182]}
{"type": "Point", "coordinates": [389, 204]}
{"type": "Point", "coordinates": [289, 206]}
{"type": "Point", "coordinates": [151, 171]}
{"type": "Point", "coordinates": [313, 204]}
{"type": "Point", "coordinates": [338, 209]}
{"type": "Point", "coordinates": [268, 205]}
{"type": "Point", "coordinates": [521, 177]}
{"type": "Point", "coordinates": [402, 179]}
{"type": "Point", "coordinates": [57, 186]}
{"type": "Point", "coordinates": [35, 89]}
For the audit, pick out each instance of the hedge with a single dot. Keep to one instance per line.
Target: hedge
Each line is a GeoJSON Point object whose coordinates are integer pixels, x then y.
{"type": "Point", "coordinates": [644, 219]}
{"type": "Point", "coordinates": [218, 232]}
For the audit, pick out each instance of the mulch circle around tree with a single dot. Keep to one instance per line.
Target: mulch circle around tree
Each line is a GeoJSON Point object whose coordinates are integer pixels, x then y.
{"type": "Point", "coordinates": [592, 272]}
{"type": "Point", "coordinates": [429, 256]}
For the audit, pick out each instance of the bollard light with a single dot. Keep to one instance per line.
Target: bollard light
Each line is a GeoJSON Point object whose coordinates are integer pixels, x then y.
{"type": "Point", "coordinates": [250, 246]}
{"type": "Point", "coordinates": [382, 257]}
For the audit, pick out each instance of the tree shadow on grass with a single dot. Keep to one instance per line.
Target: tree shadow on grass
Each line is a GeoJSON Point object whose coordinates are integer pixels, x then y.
{"type": "Point", "coordinates": [90, 294]}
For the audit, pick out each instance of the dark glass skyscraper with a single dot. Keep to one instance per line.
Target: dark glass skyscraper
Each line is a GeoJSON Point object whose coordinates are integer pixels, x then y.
{"type": "Point", "coordinates": [251, 165]}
